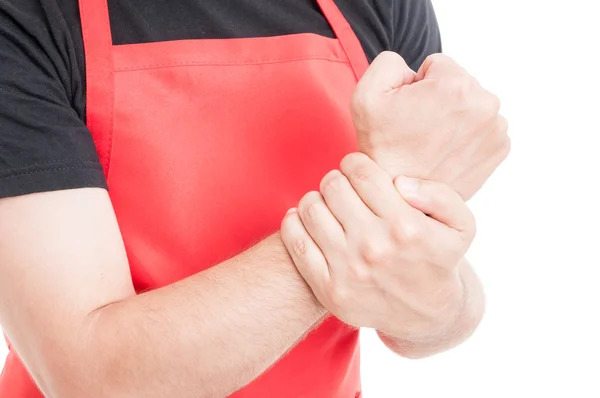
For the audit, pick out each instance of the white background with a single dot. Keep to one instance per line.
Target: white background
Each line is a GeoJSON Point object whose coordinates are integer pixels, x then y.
{"type": "Point", "coordinates": [537, 250]}
{"type": "Point", "coordinates": [538, 246]}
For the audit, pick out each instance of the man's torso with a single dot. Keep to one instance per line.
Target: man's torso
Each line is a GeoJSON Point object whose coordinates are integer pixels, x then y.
{"type": "Point", "coordinates": [43, 75]}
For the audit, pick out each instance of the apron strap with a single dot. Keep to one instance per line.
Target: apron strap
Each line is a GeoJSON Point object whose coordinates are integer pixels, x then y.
{"type": "Point", "coordinates": [97, 39]}
{"type": "Point", "coordinates": [97, 42]}
{"type": "Point", "coordinates": [346, 37]}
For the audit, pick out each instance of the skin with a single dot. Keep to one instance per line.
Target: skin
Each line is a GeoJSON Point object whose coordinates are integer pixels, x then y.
{"type": "Point", "coordinates": [460, 147]}
{"type": "Point", "coordinates": [72, 315]}
{"type": "Point", "coordinates": [375, 259]}
{"type": "Point", "coordinates": [71, 312]}
{"type": "Point", "coordinates": [393, 111]}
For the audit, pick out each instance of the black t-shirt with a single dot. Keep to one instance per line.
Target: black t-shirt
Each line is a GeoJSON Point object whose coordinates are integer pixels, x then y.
{"type": "Point", "coordinates": [44, 142]}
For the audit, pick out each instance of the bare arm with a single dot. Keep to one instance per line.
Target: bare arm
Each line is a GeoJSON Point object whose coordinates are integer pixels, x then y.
{"type": "Point", "coordinates": [68, 305]}
{"type": "Point", "coordinates": [466, 323]}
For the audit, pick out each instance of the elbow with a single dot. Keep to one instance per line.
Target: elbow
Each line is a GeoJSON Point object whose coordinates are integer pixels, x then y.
{"type": "Point", "coordinates": [76, 374]}
{"type": "Point", "coordinates": [408, 349]}
{"type": "Point", "coordinates": [414, 351]}
{"type": "Point", "coordinates": [454, 337]}
{"type": "Point", "coordinates": [85, 365]}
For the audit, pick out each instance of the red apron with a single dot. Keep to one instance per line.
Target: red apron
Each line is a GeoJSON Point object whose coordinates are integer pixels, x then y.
{"type": "Point", "coordinates": [205, 145]}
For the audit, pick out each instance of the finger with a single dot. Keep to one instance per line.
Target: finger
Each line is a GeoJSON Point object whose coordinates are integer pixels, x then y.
{"type": "Point", "coordinates": [307, 256]}
{"type": "Point", "coordinates": [344, 203]}
{"type": "Point", "coordinates": [374, 186]}
{"type": "Point", "coordinates": [324, 229]}
{"type": "Point", "coordinates": [436, 66]}
{"type": "Point", "coordinates": [388, 71]}
{"type": "Point", "coordinates": [438, 201]}
{"type": "Point", "coordinates": [446, 241]}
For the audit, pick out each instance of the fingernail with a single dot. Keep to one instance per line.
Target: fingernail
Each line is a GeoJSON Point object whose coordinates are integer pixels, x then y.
{"type": "Point", "coordinates": [292, 211]}
{"type": "Point", "coordinates": [407, 185]}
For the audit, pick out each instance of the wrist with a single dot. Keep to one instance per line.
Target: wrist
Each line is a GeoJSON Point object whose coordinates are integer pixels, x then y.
{"type": "Point", "coordinates": [319, 312]}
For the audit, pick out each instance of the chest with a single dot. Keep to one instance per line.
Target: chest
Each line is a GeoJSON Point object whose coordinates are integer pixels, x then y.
{"type": "Point", "coordinates": [206, 142]}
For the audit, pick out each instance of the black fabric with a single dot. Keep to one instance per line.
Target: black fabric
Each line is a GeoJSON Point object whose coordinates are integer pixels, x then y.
{"type": "Point", "coordinates": [44, 143]}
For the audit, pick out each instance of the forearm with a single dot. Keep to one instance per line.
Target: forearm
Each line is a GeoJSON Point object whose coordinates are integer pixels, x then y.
{"type": "Point", "coordinates": [207, 335]}
{"type": "Point", "coordinates": [459, 331]}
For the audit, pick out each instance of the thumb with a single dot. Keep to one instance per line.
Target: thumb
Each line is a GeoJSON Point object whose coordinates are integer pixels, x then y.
{"type": "Point", "coordinates": [437, 66]}
{"type": "Point", "coordinates": [387, 72]}
{"type": "Point", "coordinates": [438, 201]}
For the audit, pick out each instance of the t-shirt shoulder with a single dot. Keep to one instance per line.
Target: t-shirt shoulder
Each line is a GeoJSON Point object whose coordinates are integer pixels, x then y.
{"type": "Point", "coordinates": [416, 33]}
{"type": "Point", "coordinates": [44, 142]}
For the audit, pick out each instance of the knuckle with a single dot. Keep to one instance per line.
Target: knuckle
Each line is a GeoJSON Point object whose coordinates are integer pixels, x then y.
{"type": "Point", "coordinates": [299, 247]}
{"type": "Point", "coordinates": [438, 58]}
{"type": "Point", "coordinates": [494, 103]}
{"type": "Point", "coordinates": [337, 295]}
{"type": "Point", "coordinates": [389, 62]}
{"type": "Point", "coordinates": [390, 55]}
{"type": "Point", "coordinates": [364, 100]}
{"type": "Point", "coordinates": [311, 212]}
{"type": "Point", "coordinates": [393, 62]}
{"type": "Point", "coordinates": [309, 206]}
{"type": "Point", "coordinates": [360, 273]}
{"type": "Point", "coordinates": [353, 160]}
{"type": "Point", "coordinates": [457, 87]}
{"type": "Point", "coordinates": [356, 166]}
{"type": "Point", "coordinates": [504, 142]}
{"type": "Point", "coordinates": [357, 102]}
{"type": "Point", "coordinates": [287, 223]}
{"type": "Point", "coordinates": [374, 252]}
{"type": "Point", "coordinates": [406, 233]}
{"type": "Point", "coordinates": [435, 57]}
{"type": "Point", "coordinates": [502, 124]}
{"type": "Point", "coordinates": [286, 234]}
{"type": "Point", "coordinates": [294, 241]}
{"type": "Point", "coordinates": [443, 66]}
{"type": "Point", "coordinates": [411, 233]}
{"type": "Point", "coordinates": [332, 182]}
{"type": "Point", "coordinates": [360, 174]}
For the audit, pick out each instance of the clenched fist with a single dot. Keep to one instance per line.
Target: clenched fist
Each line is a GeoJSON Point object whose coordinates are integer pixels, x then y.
{"type": "Point", "coordinates": [372, 256]}
{"type": "Point", "coordinates": [438, 124]}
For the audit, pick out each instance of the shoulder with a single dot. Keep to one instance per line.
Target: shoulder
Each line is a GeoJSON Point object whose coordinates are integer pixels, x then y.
{"type": "Point", "coordinates": [44, 143]}
{"type": "Point", "coordinates": [37, 16]}
{"type": "Point", "coordinates": [49, 33]}
{"type": "Point", "coordinates": [408, 27]}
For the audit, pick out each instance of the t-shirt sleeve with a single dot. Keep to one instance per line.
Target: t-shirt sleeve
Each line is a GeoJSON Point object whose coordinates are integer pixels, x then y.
{"type": "Point", "coordinates": [44, 142]}
{"type": "Point", "coordinates": [416, 33]}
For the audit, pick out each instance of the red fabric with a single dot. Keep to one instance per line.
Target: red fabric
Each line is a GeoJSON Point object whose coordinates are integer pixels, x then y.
{"type": "Point", "coordinates": [206, 144]}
